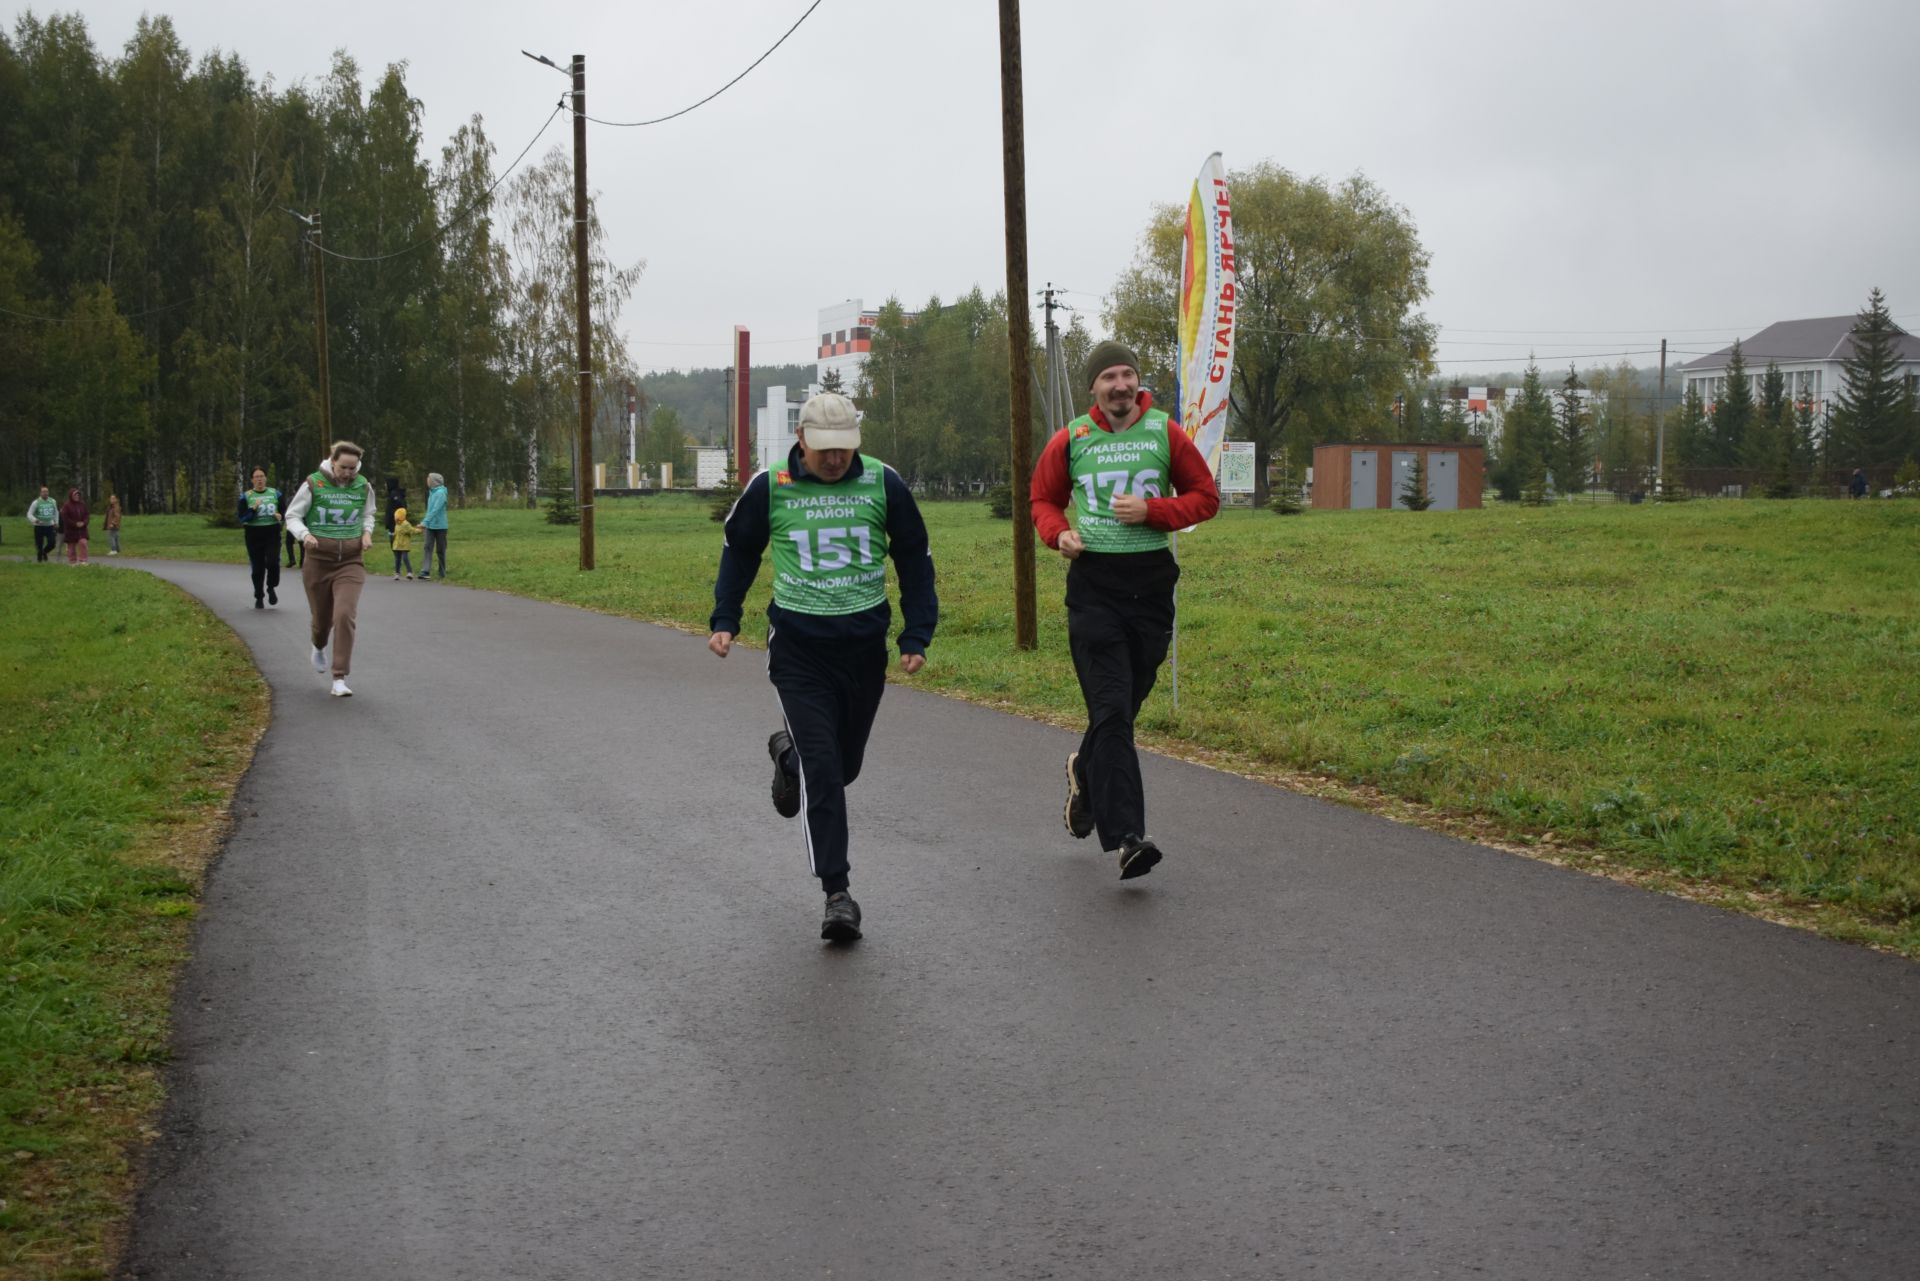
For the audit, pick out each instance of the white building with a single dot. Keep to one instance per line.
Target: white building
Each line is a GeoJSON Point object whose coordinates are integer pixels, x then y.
{"type": "Point", "coordinates": [846, 336]}
{"type": "Point", "coordinates": [1809, 352]}
{"type": "Point", "coordinates": [774, 425]}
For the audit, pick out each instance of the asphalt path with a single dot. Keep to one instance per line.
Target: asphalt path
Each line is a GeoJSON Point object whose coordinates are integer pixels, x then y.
{"type": "Point", "coordinates": [510, 970]}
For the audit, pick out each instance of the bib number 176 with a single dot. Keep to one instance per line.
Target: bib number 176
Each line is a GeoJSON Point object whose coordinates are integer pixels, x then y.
{"type": "Point", "coordinates": [1146, 484]}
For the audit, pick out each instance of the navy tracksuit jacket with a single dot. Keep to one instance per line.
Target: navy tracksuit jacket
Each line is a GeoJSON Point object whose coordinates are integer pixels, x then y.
{"type": "Point", "coordinates": [829, 670]}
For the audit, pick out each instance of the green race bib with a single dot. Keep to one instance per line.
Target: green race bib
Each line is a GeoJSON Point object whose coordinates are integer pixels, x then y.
{"type": "Point", "coordinates": [1102, 464]}
{"type": "Point", "coordinates": [262, 507]}
{"type": "Point", "coordinates": [829, 541]}
{"type": "Point", "coordinates": [338, 511]}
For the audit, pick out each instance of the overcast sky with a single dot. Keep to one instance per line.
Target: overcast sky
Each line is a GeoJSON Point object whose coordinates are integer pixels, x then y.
{"type": "Point", "coordinates": [1587, 178]}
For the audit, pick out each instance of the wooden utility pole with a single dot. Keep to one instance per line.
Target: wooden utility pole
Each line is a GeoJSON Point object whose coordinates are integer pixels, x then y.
{"type": "Point", "coordinates": [320, 335]}
{"type": "Point", "coordinates": [1660, 426]}
{"type": "Point", "coordinates": [583, 320]}
{"type": "Point", "coordinates": [1019, 323]}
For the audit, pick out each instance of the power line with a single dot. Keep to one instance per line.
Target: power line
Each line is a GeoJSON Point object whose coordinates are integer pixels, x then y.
{"type": "Point", "coordinates": [73, 320]}
{"type": "Point", "coordinates": [639, 124]}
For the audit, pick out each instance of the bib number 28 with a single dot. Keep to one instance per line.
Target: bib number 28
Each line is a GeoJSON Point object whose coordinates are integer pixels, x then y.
{"type": "Point", "coordinates": [828, 548]}
{"type": "Point", "coordinates": [1146, 484]}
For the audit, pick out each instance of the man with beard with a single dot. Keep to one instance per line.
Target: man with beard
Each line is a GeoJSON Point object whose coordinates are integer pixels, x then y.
{"type": "Point", "coordinates": [1132, 476]}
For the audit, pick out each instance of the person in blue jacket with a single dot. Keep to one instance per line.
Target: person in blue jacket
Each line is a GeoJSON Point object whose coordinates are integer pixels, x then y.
{"type": "Point", "coordinates": [435, 523]}
{"type": "Point", "coordinates": [832, 516]}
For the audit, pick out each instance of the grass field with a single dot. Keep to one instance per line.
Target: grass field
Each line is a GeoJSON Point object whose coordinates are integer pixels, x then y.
{"type": "Point", "coordinates": [1716, 697]}
{"type": "Point", "coordinates": [126, 714]}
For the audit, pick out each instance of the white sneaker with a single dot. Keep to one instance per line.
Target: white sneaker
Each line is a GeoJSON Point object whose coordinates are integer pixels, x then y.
{"type": "Point", "coordinates": [321, 661]}
{"type": "Point", "coordinates": [340, 689]}
{"type": "Point", "coordinates": [396, 577]}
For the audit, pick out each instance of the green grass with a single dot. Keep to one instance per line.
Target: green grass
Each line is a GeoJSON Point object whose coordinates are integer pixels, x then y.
{"type": "Point", "coordinates": [126, 714]}
{"type": "Point", "coordinates": [1720, 694]}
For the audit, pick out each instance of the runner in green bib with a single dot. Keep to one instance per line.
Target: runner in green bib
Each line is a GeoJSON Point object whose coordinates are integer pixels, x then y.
{"type": "Point", "coordinates": [1105, 464]}
{"type": "Point", "coordinates": [1130, 475]}
{"type": "Point", "coordinates": [332, 516]}
{"type": "Point", "coordinates": [260, 516]}
{"type": "Point", "coordinates": [832, 517]}
{"type": "Point", "coordinates": [44, 515]}
{"type": "Point", "coordinates": [829, 540]}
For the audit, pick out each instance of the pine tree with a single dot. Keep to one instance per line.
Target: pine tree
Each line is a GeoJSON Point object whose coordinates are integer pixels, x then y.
{"type": "Point", "coordinates": [1689, 443]}
{"type": "Point", "coordinates": [1572, 454]}
{"type": "Point", "coordinates": [1772, 422]}
{"type": "Point", "coordinates": [1529, 437]}
{"type": "Point", "coordinates": [1873, 413]}
{"type": "Point", "coordinates": [561, 508]}
{"type": "Point", "coordinates": [1285, 499]}
{"type": "Point", "coordinates": [1782, 483]}
{"type": "Point", "coordinates": [1806, 443]}
{"type": "Point", "coordinates": [1732, 414]}
{"type": "Point", "coordinates": [1414, 492]}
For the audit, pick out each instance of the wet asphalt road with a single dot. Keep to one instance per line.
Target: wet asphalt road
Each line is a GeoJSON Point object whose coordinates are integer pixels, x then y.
{"type": "Point", "coordinates": [510, 970]}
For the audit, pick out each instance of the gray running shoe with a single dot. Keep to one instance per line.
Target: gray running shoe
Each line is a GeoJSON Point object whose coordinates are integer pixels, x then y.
{"type": "Point", "coordinates": [1078, 813]}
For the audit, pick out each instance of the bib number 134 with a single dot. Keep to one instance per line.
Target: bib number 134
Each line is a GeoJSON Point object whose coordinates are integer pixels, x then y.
{"type": "Point", "coordinates": [1146, 484]}
{"type": "Point", "coordinates": [828, 548]}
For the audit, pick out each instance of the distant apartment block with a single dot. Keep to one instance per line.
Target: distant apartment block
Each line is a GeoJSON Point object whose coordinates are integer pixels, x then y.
{"type": "Point", "coordinates": [846, 336]}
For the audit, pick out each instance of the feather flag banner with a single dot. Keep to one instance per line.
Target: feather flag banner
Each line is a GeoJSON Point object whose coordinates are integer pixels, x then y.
{"type": "Point", "coordinates": [1207, 310]}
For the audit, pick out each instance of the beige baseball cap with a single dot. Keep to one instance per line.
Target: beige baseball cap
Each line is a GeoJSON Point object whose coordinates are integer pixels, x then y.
{"type": "Point", "coordinates": [830, 422]}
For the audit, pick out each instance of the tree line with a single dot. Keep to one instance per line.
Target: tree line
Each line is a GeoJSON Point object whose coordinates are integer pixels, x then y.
{"type": "Point", "coordinates": [158, 297]}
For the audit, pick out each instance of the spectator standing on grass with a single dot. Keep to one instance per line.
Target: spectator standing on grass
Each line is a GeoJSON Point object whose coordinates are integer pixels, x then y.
{"type": "Point", "coordinates": [112, 524]}
{"type": "Point", "coordinates": [435, 523]}
{"type": "Point", "coordinates": [44, 514]}
{"type": "Point", "coordinates": [396, 499]}
{"type": "Point", "coordinates": [1131, 476]}
{"type": "Point", "coordinates": [1857, 487]}
{"type": "Point", "coordinates": [832, 516]}
{"type": "Point", "coordinates": [74, 519]}
{"type": "Point", "coordinates": [260, 517]}
{"type": "Point", "coordinates": [332, 515]}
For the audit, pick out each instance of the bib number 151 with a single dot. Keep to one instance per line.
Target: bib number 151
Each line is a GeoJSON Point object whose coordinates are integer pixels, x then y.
{"type": "Point", "coordinates": [828, 548]}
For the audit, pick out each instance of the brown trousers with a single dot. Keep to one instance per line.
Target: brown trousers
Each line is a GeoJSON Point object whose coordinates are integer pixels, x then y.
{"type": "Point", "coordinates": [333, 574]}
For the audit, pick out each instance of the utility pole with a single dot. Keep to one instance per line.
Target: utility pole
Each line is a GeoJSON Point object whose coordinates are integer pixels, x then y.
{"type": "Point", "coordinates": [1660, 426]}
{"type": "Point", "coordinates": [583, 321]}
{"type": "Point", "coordinates": [320, 328]}
{"type": "Point", "coordinates": [727, 440]}
{"type": "Point", "coordinates": [1053, 365]}
{"type": "Point", "coordinates": [1019, 323]}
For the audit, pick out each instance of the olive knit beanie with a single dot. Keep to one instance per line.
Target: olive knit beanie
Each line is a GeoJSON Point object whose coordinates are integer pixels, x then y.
{"type": "Point", "coordinates": [1105, 356]}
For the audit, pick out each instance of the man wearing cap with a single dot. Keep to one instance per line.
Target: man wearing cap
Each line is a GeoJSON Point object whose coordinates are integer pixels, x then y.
{"type": "Point", "coordinates": [832, 515]}
{"type": "Point", "coordinates": [1131, 475]}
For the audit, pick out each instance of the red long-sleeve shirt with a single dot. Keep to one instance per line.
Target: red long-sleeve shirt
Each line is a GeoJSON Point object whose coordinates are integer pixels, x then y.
{"type": "Point", "coordinates": [1193, 500]}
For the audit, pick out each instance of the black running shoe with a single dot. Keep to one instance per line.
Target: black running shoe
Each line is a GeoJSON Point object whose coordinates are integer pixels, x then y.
{"type": "Point", "coordinates": [1079, 813]}
{"type": "Point", "coordinates": [1138, 854]}
{"type": "Point", "coordinates": [786, 787]}
{"type": "Point", "coordinates": [843, 919]}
